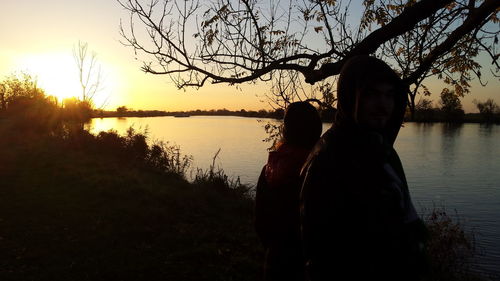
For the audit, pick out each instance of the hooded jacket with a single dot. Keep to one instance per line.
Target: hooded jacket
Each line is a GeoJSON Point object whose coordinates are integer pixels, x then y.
{"type": "Point", "coordinates": [357, 217]}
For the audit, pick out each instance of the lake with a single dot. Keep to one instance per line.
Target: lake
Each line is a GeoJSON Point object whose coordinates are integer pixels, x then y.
{"type": "Point", "coordinates": [455, 166]}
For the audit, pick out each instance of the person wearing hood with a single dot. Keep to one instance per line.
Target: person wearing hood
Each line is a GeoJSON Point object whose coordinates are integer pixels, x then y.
{"type": "Point", "coordinates": [358, 220]}
{"type": "Point", "coordinates": [277, 211]}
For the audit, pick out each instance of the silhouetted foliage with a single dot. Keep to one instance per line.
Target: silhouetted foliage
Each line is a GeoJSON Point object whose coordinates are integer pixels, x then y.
{"type": "Point", "coordinates": [75, 109]}
{"type": "Point", "coordinates": [121, 109]}
{"type": "Point", "coordinates": [287, 42]}
{"type": "Point", "coordinates": [27, 105]}
{"type": "Point", "coordinates": [134, 148]}
{"type": "Point", "coordinates": [489, 110]}
{"type": "Point", "coordinates": [425, 112]}
{"type": "Point", "coordinates": [451, 106]}
{"type": "Point", "coordinates": [21, 85]}
{"type": "Point", "coordinates": [451, 248]}
{"type": "Point", "coordinates": [30, 108]}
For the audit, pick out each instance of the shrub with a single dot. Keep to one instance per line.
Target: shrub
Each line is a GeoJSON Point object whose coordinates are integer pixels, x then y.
{"type": "Point", "coordinates": [451, 248]}
{"type": "Point", "coordinates": [134, 148]}
{"type": "Point", "coordinates": [169, 158]}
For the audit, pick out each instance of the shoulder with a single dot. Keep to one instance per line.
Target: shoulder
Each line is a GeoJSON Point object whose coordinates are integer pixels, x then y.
{"type": "Point", "coordinates": [328, 153]}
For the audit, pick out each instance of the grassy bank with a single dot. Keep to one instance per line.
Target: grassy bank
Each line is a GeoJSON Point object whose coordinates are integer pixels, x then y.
{"type": "Point", "coordinates": [84, 208]}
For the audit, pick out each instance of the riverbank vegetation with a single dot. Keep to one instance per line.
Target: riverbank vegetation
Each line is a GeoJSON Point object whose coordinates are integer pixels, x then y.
{"type": "Point", "coordinates": [75, 206]}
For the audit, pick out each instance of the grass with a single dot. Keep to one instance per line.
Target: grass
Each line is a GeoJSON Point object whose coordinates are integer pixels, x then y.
{"type": "Point", "coordinates": [72, 209]}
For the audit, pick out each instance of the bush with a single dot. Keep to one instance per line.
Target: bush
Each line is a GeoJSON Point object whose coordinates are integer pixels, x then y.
{"type": "Point", "coordinates": [451, 248]}
{"type": "Point", "coordinates": [133, 148]}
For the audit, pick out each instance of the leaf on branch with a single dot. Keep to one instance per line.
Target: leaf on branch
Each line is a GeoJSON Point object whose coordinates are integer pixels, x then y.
{"type": "Point", "coordinates": [368, 3]}
{"type": "Point", "coordinates": [331, 2]}
{"type": "Point", "coordinates": [306, 14]}
{"type": "Point", "coordinates": [396, 8]}
{"type": "Point", "coordinates": [451, 6]}
{"type": "Point", "coordinates": [459, 90]}
{"type": "Point", "coordinates": [410, 3]}
{"type": "Point", "coordinates": [237, 75]}
{"type": "Point", "coordinates": [263, 28]}
{"type": "Point", "coordinates": [381, 16]}
{"type": "Point", "coordinates": [426, 91]}
{"type": "Point", "coordinates": [210, 35]}
{"type": "Point", "coordinates": [222, 12]}
{"type": "Point", "coordinates": [318, 29]}
{"type": "Point", "coordinates": [320, 17]}
{"type": "Point", "coordinates": [277, 32]}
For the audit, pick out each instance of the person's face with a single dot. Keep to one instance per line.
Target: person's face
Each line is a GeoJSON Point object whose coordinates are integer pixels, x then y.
{"type": "Point", "coordinates": [375, 105]}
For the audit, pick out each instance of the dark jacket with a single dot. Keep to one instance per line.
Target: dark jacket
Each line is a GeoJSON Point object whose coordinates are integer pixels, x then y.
{"type": "Point", "coordinates": [277, 215]}
{"type": "Point", "coordinates": [358, 221]}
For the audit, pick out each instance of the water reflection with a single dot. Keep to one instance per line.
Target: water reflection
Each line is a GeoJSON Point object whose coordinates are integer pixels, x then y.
{"type": "Point", "coordinates": [450, 140]}
{"type": "Point", "coordinates": [423, 129]}
{"type": "Point", "coordinates": [452, 130]}
{"type": "Point", "coordinates": [487, 129]}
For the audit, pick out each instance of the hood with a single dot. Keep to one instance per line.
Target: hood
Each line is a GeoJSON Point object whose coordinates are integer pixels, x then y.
{"type": "Point", "coordinates": [356, 73]}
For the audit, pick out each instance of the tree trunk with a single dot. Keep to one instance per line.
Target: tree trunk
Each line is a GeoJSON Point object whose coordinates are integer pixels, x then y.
{"type": "Point", "coordinates": [411, 104]}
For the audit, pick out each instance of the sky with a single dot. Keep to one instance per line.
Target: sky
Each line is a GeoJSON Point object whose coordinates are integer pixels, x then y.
{"type": "Point", "coordinates": [38, 37]}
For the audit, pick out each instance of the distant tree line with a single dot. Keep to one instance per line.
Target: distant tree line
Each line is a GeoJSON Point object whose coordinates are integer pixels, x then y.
{"type": "Point", "coordinates": [449, 109]}
{"type": "Point", "coordinates": [123, 111]}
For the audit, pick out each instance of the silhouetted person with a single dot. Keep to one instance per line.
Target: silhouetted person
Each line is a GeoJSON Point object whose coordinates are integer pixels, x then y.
{"type": "Point", "coordinates": [358, 220]}
{"type": "Point", "coordinates": [277, 214]}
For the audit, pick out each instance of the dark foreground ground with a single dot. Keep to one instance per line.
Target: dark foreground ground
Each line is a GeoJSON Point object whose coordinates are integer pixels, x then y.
{"type": "Point", "coordinates": [70, 211]}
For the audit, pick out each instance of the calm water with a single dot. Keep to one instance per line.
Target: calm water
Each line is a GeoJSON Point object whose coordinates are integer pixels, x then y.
{"type": "Point", "coordinates": [453, 166]}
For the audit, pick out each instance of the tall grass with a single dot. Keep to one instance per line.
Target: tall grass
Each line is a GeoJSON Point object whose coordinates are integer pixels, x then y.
{"type": "Point", "coordinates": [215, 177]}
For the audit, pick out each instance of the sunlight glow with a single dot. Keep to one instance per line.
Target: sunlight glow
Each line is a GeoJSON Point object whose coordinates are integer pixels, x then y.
{"type": "Point", "coordinates": [58, 75]}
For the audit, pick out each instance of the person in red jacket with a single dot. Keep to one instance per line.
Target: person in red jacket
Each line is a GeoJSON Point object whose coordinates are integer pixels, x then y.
{"type": "Point", "coordinates": [277, 214]}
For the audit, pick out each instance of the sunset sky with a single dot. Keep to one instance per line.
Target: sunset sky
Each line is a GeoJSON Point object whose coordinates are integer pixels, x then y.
{"type": "Point", "coordinates": [38, 37]}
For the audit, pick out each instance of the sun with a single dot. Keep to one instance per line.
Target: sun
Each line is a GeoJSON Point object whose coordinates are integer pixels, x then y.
{"type": "Point", "coordinates": [56, 73]}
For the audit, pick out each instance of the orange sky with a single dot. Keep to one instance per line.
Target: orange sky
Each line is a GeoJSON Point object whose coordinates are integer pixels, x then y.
{"type": "Point", "coordinates": [38, 37]}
